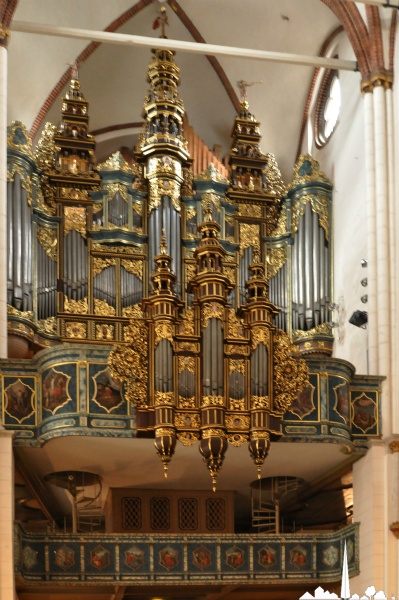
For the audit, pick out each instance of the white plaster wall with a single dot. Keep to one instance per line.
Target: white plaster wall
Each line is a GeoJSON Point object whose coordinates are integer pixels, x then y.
{"type": "Point", "coordinates": [343, 161]}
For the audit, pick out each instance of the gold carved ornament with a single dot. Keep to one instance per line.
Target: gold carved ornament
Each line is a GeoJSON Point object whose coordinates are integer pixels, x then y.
{"type": "Point", "coordinates": [76, 307]}
{"type": "Point", "coordinates": [237, 422]}
{"type": "Point", "coordinates": [187, 402]}
{"type": "Point", "coordinates": [163, 187]}
{"type": "Point", "coordinates": [129, 364]}
{"type": "Point", "coordinates": [306, 175]}
{"type": "Point", "coordinates": [276, 258]}
{"type": "Point", "coordinates": [116, 162]}
{"type": "Point", "coordinates": [291, 374]}
{"type": "Point", "coordinates": [48, 325]}
{"type": "Point", "coordinates": [260, 335]}
{"type": "Point", "coordinates": [319, 204]}
{"type": "Point", "coordinates": [281, 227]}
{"type": "Point", "coordinates": [133, 312]}
{"type": "Point", "coordinates": [102, 308]}
{"type": "Point", "coordinates": [236, 366]}
{"type": "Point", "coordinates": [191, 270]}
{"type": "Point", "coordinates": [26, 181]}
{"type": "Point", "coordinates": [249, 236]}
{"type": "Point", "coordinates": [18, 136]}
{"type": "Point", "coordinates": [212, 401]}
{"type": "Point", "coordinates": [323, 329]}
{"type": "Point", "coordinates": [186, 325]}
{"type": "Point", "coordinates": [164, 398]}
{"type": "Point", "coordinates": [186, 363]}
{"type": "Point", "coordinates": [99, 264]}
{"type": "Point", "coordinates": [236, 403]}
{"type": "Point", "coordinates": [135, 267]}
{"type": "Point", "coordinates": [188, 420]}
{"type": "Point", "coordinates": [250, 210]}
{"type": "Point", "coordinates": [235, 325]}
{"type": "Point", "coordinates": [211, 311]}
{"type": "Point", "coordinates": [163, 330]}
{"type": "Point", "coordinates": [237, 439]}
{"type": "Point", "coordinates": [273, 176]}
{"type": "Point", "coordinates": [75, 220]}
{"type": "Point", "coordinates": [76, 330]}
{"type": "Point", "coordinates": [47, 238]}
{"type": "Point", "coordinates": [104, 332]}
{"type": "Point", "coordinates": [187, 438]}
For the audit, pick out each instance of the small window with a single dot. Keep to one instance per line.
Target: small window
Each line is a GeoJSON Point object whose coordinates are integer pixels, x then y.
{"type": "Point", "coordinates": [327, 108]}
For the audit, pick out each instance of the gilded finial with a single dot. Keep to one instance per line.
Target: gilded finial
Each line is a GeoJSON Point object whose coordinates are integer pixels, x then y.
{"type": "Point", "coordinates": [207, 207]}
{"type": "Point", "coordinates": [161, 22]}
{"type": "Point", "coordinates": [256, 252]}
{"type": "Point", "coordinates": [165, 470]}
{"type": "Point", "coordinates": [75, 85]}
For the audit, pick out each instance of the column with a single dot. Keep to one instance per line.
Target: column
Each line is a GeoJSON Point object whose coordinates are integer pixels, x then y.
{"type": "Point", "coordinates": [7, 591]}
{"type": "Point", "coordinates": [4, 35]}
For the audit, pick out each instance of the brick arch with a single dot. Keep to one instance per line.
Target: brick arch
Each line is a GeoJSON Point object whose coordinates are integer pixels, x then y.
{"type": "Point", "coordinates": [356, 30]}
{"type": "Point", "coordinates": [376, 51]}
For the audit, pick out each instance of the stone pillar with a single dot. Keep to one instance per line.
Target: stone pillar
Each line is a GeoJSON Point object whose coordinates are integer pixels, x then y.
{"type": "Point", "coordinates": [4, 36]}
{"type": "Point", "coordinates": [7, 588]}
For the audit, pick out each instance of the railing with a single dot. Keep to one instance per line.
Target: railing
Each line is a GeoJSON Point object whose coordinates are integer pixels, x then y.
{"type": "Point", "coordinates": [173, 559]}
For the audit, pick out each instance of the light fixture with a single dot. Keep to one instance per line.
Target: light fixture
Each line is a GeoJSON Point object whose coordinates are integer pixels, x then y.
{"type": "Point", "coordinates": [364, 262]}
{"type": "Point", "coordinates": [364, 282]}
{"type": "Point", "coordinates": [359, 318]}
{"type": "Point", "coordinates": [364, 298]}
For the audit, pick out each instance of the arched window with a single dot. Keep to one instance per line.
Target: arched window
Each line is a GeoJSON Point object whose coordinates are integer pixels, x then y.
{"type": "Point", "coordinates": [327, 107]}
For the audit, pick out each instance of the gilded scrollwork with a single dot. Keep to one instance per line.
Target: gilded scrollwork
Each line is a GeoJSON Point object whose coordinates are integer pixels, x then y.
{"type": "Point", "coordinates": [249, 235]}
{"type": "Point", "coordinates": [101, 307]}
{"type": "Point", "coordinates": [191, 270]}
{"type": "Point", "coordinates": [75, 219]}
{"type": "Point", "coordinates": [163, 187]}
{"type": "Point", "coordinates": [49, 325]}
{"type": "Point", "coordinates": [26, 314]}
{"type": "Point", "coordinates": [281, 227]}
{"type": "Point", "coordinates": [187, 347]}
{"type": "Point", "coordinates": [307, 170]}
{"type": "Point", "coordinates": [116, 162]}
{"type": "Point", "coordinates": [164, 398]}
{"type": "Point", "coordinates": [260, 402]}
{"type": "Point", "coordinates": [163, 330]}
{"type": "Point", "coordinates": [211, 310]}
{"type": "Point", "coordinates": [322, 329]}
{"type": "Point", "coordinates": [18, 138]}
{"type": "Point", "coordinates": [26, 180]}
{"type": "Point", "coordinates": [76, 330]}
{"type": "Point", "coordinates": [135, 267]}
{"type": "Point", "coordinates": [319, 203]}
{"type": "Point", "coordinates": [186, 325]}
{"type": "Point", "coordinates": [104, 331]}
{"type": "Point", "coordinates": [250, 210]}
{"type": "Point", "coordinates": [187, 420]}
{"type": "Point", "coordinates": [237, 422]}
{"type": "Point", "coordinates": [235, 325]}
{"type": "Point", "coordinates": [208, 433]}
{"type": "Point", "coordinates": [212, 401]}
{"type": "Point", "coordinates": [237, 439]}
{"type": "Point", "coordinates": [129, 363]}
{"type": "Point", "coordinates": [276, 258]}
{"type": "Point", "coordinates": [76, 307]}
{"type": "Point", "coordinates": [134, 312]}
{"type": "Point", "coordinates": [47, 238]}
{"type": "Point", "coordinates": [46, 149]}
{"type": "Point", "coordinates": [165, 431]}
{"type": "Point", "coordinates": [116, 188]}
{"type": "Point", "coordinates": [187, 438]}
{"type": "Point", "coordinates": [231, 274]}
{"type": "Point", "coordinates": [291, 374]}
{"type": "Point", "coordinates": [260, 335]}
{"type": "Point", "coordinates": [231, 349]}
{"type": "Point", "coordinates": [191, 211]}
{"type": "Point", "coordinates": [99, 264]}
{"type": "Point", "coordinates": [273, 176]}
{"type": "Point", "coordinates": [187, 402]}
{"type": "Point", "coordinates": [186, 363]}
{"type": "Point", "coordinates": [236, 366]}
{"type": "Point", "coordinates": [236, 403]}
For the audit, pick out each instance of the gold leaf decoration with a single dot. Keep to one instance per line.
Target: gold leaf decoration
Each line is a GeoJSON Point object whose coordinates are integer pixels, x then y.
{"type": "Point", "coordinates": [188, 420]}
{"type": "Point", "coordinates": [186, 363]}
{"type": "Point", "coordinates": [291, 374]}
{"type": "Point", "coordinates": [319, 204]}
{"type": "Point", "coordinates": [76, 330]}
{"type": "Point", "coordinates": [237, 404]}
{"type": "Point", "coordinates": [211, 310]}
{"type": "Point", "coordinates": [76, 307]}
{"type": "Point", "coordinates": [47, 238]}
{"type": "Point", "coordinates": [273, 176]}
{"type": "Point", "coordinates": [236, 329]}
{"type": "Point", "coordinates": [101, 307]}
{"type": "Point", "coordinates": [237, 439]}
{"type": "Point", "coordinates": [187, 438]}
{"type": "Point", "coordinates": [99, 264]}
{"type": "Point", "coordinates": [186, 325]}
{"type": "Point", "coordinates": [129, 364]}
{"type": "Point", "coordinates": [249, 236]}
{"type": "Point", "coordinates": [250, 210]}
{"type": "Point", "coordinates": [323, 329]}
{"type": "Point", "coordinates": [75, 219]}
{"type": "Point", "coordinates": [104, 331]}
{"type": "Point", "coordinates": [212, 401]}
{"type": "Point", "coordinates": [135, 267]}
{"type": "Point", "coordinates": [237, 422]}
{"type": "Point", "coordinates": [48, 325]}
{"type": "Point", "coordinates": [18, 138]}
{"type": "Point", "coordinates": [116, 162]}
{"type": "Point", "coordinates": [276, 258]}
{"type": "Point", "coordinates": [163, 330]}
{"type": "Point", "coordinates": [134, 312]}
{"type": "Point", "coordinates": [260, 335]}
{"type": "Point", "coordinates": [45, 149]}
{"type": "Point", "coordinates": [236, 366]}
{"type": "Point", "coordinates": [187, 402]}
{"type": "Point", "coordinates": [164, 398]}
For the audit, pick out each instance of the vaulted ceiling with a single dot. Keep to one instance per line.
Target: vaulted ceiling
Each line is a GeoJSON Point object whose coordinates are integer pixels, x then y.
{"type": "Point", "coordinates": [113, 78]}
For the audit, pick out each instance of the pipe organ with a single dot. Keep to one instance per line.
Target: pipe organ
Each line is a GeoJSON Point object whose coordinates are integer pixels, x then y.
{"type": "Point", "coordinates": [206, 288]}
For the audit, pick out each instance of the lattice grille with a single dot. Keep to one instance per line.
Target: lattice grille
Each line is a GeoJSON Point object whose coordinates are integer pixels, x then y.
{"type": "Point", "coordinates": [215, 513]}
{"type": "Point", "coordinates": [160, 513]}
{"type": "Point", "coordinates": [131, 514]}
{"type": "Point", "coordinates": [188, 513]}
